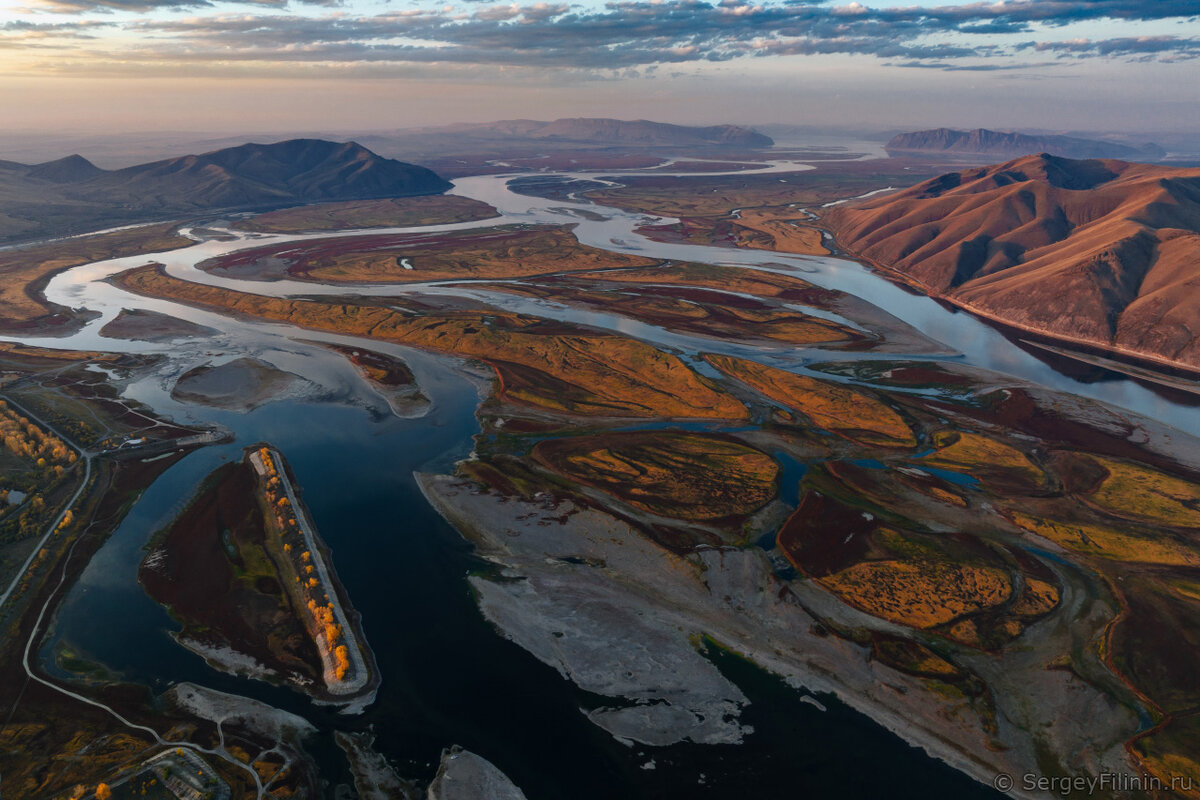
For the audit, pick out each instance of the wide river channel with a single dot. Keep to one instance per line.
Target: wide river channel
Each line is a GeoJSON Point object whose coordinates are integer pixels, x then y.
{"type": "Point", "coordinates": [448, 677]}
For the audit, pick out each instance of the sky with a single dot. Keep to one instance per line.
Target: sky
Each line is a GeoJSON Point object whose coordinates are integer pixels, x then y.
{"type": "Point", "coordinates": [94, 66]}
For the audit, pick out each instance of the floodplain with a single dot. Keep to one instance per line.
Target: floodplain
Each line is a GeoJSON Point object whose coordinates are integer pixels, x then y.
{"type": "Point", "coordinates": [657, 459]}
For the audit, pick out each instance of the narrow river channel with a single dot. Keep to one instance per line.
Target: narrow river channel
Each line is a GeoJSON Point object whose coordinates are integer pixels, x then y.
{"type": "Point", "coordinates": [448, 678]}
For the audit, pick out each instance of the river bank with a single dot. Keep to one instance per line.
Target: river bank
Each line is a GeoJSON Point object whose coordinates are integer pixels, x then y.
{"type": "Point", "coordinates": [390, 553]}
{"type": "Point", "coordinates": [619, 615]}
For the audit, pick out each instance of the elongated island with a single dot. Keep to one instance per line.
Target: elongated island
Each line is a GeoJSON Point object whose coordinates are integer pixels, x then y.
{"type": "Point", "coordinates": [245, 572]}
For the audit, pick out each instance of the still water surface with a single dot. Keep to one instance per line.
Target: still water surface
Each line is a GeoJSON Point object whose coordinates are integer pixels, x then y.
{"type": "Point", "coordinates": [448, 678]}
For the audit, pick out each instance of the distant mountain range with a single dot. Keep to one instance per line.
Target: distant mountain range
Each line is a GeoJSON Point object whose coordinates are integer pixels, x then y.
{"type": "Point", "coordinates": [1096, 251]}
{"type": "Point", "coordinates": [72, 194]}
{"type": "Point", "coordinates": [997, 144]}
{"type": "Point", "coordinates": [603, 131]}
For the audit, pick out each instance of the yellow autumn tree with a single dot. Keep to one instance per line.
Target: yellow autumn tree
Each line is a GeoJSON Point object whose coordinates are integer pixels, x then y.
{"type": "Point", "coordinates": [342, 656]}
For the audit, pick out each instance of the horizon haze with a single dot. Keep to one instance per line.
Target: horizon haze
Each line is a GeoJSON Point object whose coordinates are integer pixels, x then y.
{"type": "Point", "coordinates": [103, 66]}
{"type": "Point", "coordinates": [639, 399]}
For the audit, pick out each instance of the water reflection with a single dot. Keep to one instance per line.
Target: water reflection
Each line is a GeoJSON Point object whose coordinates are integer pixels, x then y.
{"type": "Point", "coordinates": [447, 677]}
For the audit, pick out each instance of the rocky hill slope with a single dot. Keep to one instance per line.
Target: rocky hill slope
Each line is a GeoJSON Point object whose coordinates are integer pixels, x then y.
{"type": "Point", "coordinates": [71, 194]}
{"type": "Point", "coordinates": [1100, 252]}
{"type": "Point", "coordinates": [600, 131]}
{"type": "Point", "coordinates": [998, 144]}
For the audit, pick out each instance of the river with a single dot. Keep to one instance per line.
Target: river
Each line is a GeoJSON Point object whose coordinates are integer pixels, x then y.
{"type": "Point", "coordinates": [447, 676]}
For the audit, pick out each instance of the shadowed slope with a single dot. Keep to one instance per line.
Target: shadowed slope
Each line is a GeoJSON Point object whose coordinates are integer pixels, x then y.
{"type": "Point", "coordinates": [1105, 252]}
{"type": "Point", "coordinates": [605, 131]}
{"type": "Point", "coordinates": [253, 174]}
{"type": "Point", "coordinates": [1004, 144]}
{"type": "Point", "coordinates": [72, 194]}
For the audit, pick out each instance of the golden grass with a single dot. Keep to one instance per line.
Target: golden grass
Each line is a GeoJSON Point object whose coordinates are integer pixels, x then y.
{"type": "Point", "coordinates": [1038, 598]}
{"type": "Point", "coordinates": [678, 475]}
{"type": "Point", "coordinates": [834, 408]}
{"type": "Point", "coordinates": [1170, 753]}
{"type": "Point", "coordinates": [963, 451]}
{"type": "Point", "coordinates": [704, 315]}
{"type": "Point", "coordinates": [785, 325]}
{"type": "Point", "coordinates": [21, 270]}
{"type": "Point", "coordinates": [543, 365]}
{"type": "Point", "coordinates": [920, 593]}
{"type": "Point", "coordinates": [496, 253]}
{"type": "Point", "coordinates": [27, 351]}
{"type": "Point", "coordinates": [388, 213]}
{"type": "Point", "coordinates": [711, 276]}
{"type": "Point", "coordinates": [914, 658]}
{"type": "Point", "coordinates": [1140, 493]}
{"type": "Point", "coordinates": [944, 496]}
{"type": "Point", "coordinates": [1177, 769]}
{"type": "Point", "coordinates": [779, 228]}
{"type": "Point", "coordinates": [1133, 546]}
{"type": "Point", "coordinates": [1188, 589]}
{"type": "Point", "coordinates": [766, 204]}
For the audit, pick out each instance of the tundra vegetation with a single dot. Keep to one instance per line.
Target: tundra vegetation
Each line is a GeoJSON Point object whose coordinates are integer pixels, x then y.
{"type": "Point", "coordinates": [237, 572]}
{"type": "Point", "coordinates": [27, 269]}
{"type": "Point", "coordinates": [539, 364]}
{"type": "Point", "coordinates": [53, 745]}
{"type": "Point", "coordinates": [829, 406]}
{"type": "Point", "coordinates": [503, 252]}
{"type": "Point", "coordinates": [698, 312]}
{"type": "Point", "coordinates": [36, 465]}
{"type": "Point", "coordinates": [943, 518]}
{"type": "Point", "coordinates": [673, 475]}
{"type": "Point", "coordinates": [761, 212]}
{"type": "Point", "coordinates": [390, 212]}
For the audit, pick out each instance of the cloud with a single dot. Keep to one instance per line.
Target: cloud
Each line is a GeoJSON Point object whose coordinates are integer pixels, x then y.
{"type": "Point", "coordinates": [1009, 16]}
{"type": "Point", "coordinates": [81, 6]}
{"type": "Point", "coordinates": [951, 67]}
{"type": "Point", "coordinates": [25, 35]}
{"type": "Point", "coordinates": [1173, 46]}
{"type": "Point", "coordinates": [144, 6]}
{"type": "Point", "coordinates": [627, 34]}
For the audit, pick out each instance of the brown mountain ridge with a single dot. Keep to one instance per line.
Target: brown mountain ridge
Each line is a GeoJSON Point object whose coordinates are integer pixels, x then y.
{"type": "Point", "coordinates": [1100, 252]}
{"type": "Point", "coordinates": [610, 132]}
{"type": "Point", "coordinates": [1010, 144]}
{"type": "Point", "coordinates": [71, 194]}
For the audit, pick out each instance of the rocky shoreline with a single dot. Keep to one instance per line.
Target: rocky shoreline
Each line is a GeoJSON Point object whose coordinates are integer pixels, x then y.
{"type": "Point", "coordinates": [622, 617]}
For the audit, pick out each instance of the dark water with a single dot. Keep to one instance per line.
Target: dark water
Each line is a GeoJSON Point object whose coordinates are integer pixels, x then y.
{"type": "Point", "coordinates": [448, 678]}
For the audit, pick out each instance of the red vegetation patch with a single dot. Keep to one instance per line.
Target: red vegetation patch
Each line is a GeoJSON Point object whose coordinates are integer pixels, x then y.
{"type": "Point", "coordinates": [824, 536]}
{"type": "Point", "coordinates": [210, 571]}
